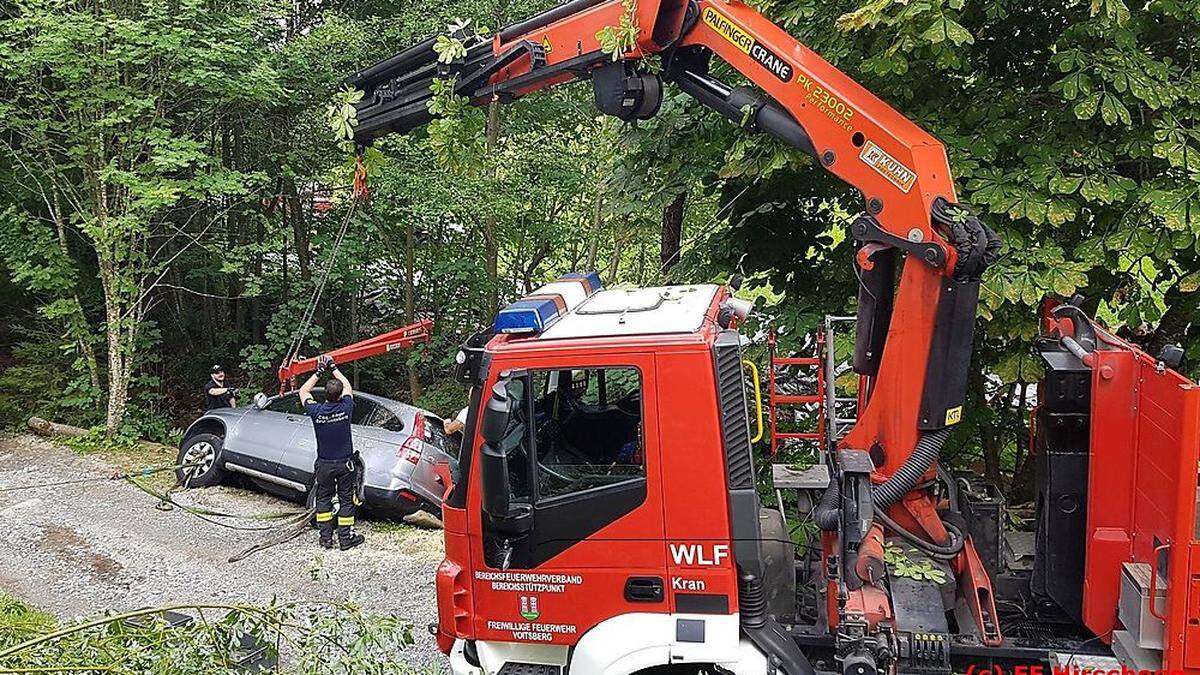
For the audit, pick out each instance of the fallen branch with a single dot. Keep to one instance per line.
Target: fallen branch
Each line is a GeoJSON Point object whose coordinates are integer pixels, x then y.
{"type": "Point", "coordinates": [48, 429]}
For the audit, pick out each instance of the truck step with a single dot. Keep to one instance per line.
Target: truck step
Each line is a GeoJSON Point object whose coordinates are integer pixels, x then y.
{"type": "Point", "coordinates": [1133, 606]}
{"type": "Point", "coordinates": [1127, 651]}
{"type": "Point", "coordinates": [513, 668]}
{"type": "Point", "coordinates": [1072, 662]}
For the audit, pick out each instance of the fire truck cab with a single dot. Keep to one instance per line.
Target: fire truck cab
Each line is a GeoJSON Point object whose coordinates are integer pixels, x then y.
{"type": "Point", "coordinates": [597, 521]}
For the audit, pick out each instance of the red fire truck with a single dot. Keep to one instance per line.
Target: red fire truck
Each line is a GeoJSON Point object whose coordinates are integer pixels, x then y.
{"type": "Point", "coordinates": [606, 517]}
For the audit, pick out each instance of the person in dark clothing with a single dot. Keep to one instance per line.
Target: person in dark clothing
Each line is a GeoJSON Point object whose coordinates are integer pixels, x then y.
{"type": "Point", "coordinates": [216, 394]}
{"type": "Point", "coordinates": [336, 467]}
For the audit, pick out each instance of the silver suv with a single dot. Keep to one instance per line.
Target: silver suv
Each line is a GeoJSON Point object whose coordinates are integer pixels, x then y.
{"type": "Point", "coordinates": [272, 444]}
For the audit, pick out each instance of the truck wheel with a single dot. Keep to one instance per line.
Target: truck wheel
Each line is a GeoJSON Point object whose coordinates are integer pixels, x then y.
{"type": "Point", "coordinates": [202, 451]}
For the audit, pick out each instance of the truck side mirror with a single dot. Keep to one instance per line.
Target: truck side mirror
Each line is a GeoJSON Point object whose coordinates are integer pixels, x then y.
{"type": "Point", "coordinates": [497, 427]}
{"type": "Point", "coordinates": [496, 413]}
{"type": "Point", "coordinates": [493, 464]}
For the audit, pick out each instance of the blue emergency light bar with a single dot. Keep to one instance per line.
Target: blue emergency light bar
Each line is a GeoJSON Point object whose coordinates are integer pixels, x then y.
{"type": "Point", "coordinates": [590, 279]}
{"type": "Point", "coordinates": [528, 316]}
{"type": "Point", "coordinates": [535, 312]}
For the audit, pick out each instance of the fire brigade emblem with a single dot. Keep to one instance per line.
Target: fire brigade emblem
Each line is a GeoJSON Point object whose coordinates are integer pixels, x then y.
{"type": "Point", "coordinates": [529, 607]}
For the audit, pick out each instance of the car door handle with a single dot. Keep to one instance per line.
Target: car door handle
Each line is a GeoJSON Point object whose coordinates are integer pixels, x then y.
{"type": "Point", "coordinates": [293, 419]}
{"type": "Point", "coordinates": [644, 589]}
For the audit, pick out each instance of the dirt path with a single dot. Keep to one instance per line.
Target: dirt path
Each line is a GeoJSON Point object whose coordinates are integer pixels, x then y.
{"type": "Point", "coordinates": [81, 549]}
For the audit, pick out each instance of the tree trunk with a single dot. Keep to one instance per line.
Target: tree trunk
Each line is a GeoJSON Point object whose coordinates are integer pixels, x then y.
{"type": "Point", "coordinates": [597, 230]}
{"type": "Point", "coordinates": [491, 245]}
{"type": "Point", "coordinates": [257, 326]}
{"type": "Point", "coordinates": [83, 330]}
{"type": "Point", "coordinates": [414, 382]}
{"type": "Point", "coordinates": [991, 441]}
{"type": "Point", "coordinates": [614, 263]}
{"type": "Point", "coordinates": [118, 358]}
{"type": "Point", "coordinates": [672, 231]}
{"type": "Point", "coordinates": [354, 301]}
{"type": "Point", "coordinates": [295, 213]}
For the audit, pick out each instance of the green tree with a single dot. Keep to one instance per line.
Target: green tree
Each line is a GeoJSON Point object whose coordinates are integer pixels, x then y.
{"type": "Point", "coordinates": [109, 123]}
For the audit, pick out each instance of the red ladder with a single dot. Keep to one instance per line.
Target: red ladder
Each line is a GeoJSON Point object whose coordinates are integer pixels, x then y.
{"type": "Point", "coordinates": [778, 400]}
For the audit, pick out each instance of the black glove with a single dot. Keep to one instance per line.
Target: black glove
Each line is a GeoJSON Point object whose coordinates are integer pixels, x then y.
{"type": "Point", "coordinates": [233, 393]}
{"type": "Point", "coordinates": [325, 363]}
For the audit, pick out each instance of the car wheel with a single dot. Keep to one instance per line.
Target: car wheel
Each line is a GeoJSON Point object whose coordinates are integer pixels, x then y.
{"type": "Point", "coordinates": [202, 451]}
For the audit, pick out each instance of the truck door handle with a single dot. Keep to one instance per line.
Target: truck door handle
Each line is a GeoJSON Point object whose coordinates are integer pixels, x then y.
{"type": "Point", "coordinates": [644, 589]}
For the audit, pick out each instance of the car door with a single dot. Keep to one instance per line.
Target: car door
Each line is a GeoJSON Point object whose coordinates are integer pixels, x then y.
{"type": "Point", "coordinates": [368, 427]}
{"type": "Point", "coordinates": [265, 435]}
{"type": "Point", "coordinates": [298, 459]}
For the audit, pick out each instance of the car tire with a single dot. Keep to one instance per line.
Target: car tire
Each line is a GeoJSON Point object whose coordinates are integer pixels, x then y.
{"type": "Point", "coordinates": [206, 450]}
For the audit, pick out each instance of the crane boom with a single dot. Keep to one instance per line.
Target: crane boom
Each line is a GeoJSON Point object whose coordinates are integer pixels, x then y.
{"type": "Point", "coordinates": [914, 336]}
{"type": "Point", "coordinates": [400, 338]}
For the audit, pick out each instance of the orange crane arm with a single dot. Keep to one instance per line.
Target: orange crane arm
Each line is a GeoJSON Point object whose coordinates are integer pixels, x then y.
{"type": "Point", "coordinates": [914, 337]}
{"type": "Point", "coordinates": [401, 338]}
{"type": "Point", "coordinates": [919, 380]}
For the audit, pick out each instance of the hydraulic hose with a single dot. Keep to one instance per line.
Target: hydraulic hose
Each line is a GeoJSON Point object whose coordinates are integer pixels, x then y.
{"type": "Point", "coordinates": [923, 458]}
{"type": "Point", "coordinates": [942, 552]}
{"type": "Point", "coordinates": [827, 514]}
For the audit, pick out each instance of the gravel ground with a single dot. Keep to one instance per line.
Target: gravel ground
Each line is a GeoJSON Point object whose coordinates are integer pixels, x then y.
{"type": "Point", "coordinates": [81, 549]}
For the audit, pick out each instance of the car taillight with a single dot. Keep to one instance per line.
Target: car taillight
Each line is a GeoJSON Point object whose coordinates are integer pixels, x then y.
{"type": "Point", "coordinates": [410, 450]}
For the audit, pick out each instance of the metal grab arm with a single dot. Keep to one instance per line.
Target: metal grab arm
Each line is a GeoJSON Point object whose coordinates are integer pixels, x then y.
{"type": "Point", "coordinates": [401, 338]}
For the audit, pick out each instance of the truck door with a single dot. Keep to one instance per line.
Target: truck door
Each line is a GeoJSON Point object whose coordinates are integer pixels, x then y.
{"type": "Point", "coordinates": [583, 455]}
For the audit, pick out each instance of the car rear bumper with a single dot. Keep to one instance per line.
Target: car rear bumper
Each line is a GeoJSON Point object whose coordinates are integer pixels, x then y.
{"type": "Point", "coordinates": [395, 503]}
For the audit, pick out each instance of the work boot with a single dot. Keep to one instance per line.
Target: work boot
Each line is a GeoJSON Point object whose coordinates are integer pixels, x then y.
{"type": "Point", "coordinates": [348, 538]}
{"type": "Point", "coordinates": [325, 527]}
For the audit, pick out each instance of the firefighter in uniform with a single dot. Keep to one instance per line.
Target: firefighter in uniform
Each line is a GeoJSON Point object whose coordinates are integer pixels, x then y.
{"type": "Point", "coordinates": [336, 467]}
{"type": "Point", "coordinates": [216, 393]}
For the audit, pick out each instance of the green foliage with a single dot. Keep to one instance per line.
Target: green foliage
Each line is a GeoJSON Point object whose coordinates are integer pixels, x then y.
{"type": "Point", "coordinates": [900, 565]}
{"type": "Point", "coordinates": [96, 441]}
{"type": "Point", "coordinates": [302, 631]}
{"type": "Point", "coordinates": [43, 382]}
{"type": "Point", "coordinates": [343, 117]}
{"type": "Point", "coordinates": [20, 622]}
{"type": "Point", "coordinates": [114, 142]}
{"type": "Point", "coordinates": [616, 41]}
{"type": "Point", "coordinates": [444, 397]}
{"type": "Point", "coordinates": [1071, 127]}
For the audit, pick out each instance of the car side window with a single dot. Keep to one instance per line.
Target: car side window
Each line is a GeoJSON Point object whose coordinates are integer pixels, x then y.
{"type": "Point", "coordinates": [363, 410]}
{"type": "Point", "coordinates": [289, 404]}
{"type": "Point", "coordinates": [384, 419]}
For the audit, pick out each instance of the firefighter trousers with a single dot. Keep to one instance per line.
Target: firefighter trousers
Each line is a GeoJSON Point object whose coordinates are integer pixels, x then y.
{"type": "Point", "coordinates": [336, 477]}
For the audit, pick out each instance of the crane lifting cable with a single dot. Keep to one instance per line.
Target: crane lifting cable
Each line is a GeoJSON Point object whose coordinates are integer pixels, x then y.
{"type": "Point", "coordinates": [359, 194]}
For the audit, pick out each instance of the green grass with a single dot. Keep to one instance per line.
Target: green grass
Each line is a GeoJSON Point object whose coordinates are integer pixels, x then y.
{"type": "Point", "coordinates": [127, 455]}
{"type": "Point", "coordinates": [19, 621]}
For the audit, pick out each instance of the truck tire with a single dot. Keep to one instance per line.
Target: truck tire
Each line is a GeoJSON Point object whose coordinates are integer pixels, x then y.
{"type": "Point", "coordinates": [203, 450]}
